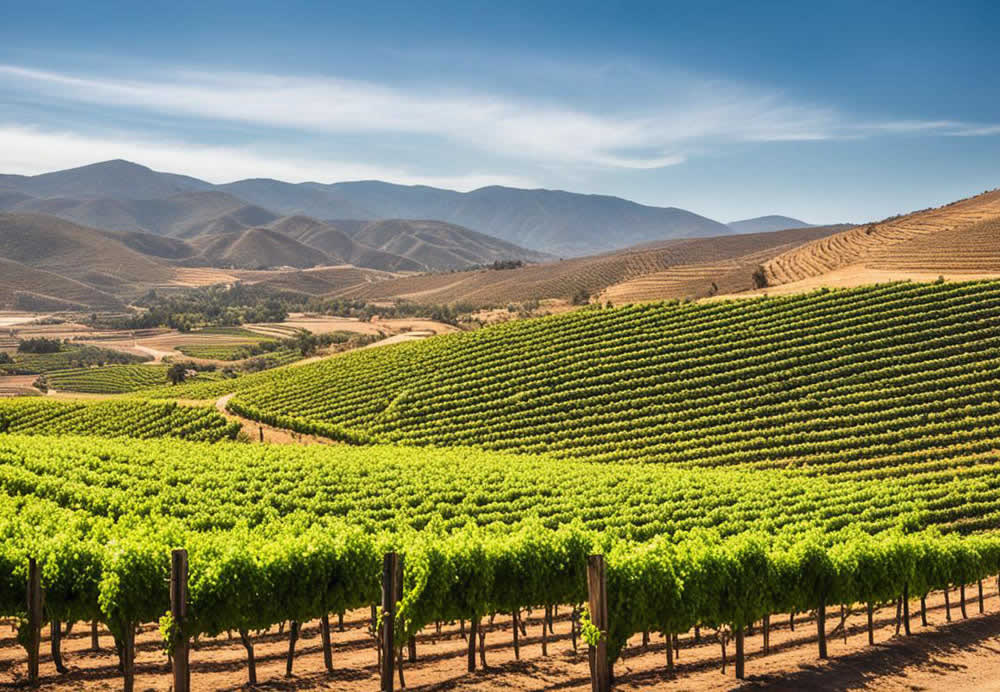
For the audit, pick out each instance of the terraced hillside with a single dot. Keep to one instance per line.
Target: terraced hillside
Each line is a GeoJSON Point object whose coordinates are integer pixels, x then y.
{"type": "Point", "coordinates": [679, 268]}
{"type": "Point", "coordinates": [865, 380]}
{"type": "Point", "coordinates": [916, 237]}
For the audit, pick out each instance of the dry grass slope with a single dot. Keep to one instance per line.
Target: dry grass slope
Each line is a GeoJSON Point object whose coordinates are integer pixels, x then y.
{"type": "Point", "coordinates": [679, 268]}
{"type": "Point", "coordinates": [933, 239]}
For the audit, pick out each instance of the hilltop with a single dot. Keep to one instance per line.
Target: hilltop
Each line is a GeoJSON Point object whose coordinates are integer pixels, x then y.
{"type": "Point", "coordinates": [552, 221]}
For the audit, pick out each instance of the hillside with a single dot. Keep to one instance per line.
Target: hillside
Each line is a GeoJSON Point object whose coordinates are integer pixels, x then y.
{"type": "Point", "coordinates": [440, 246]}
{"type": "Point", "coordinates": [26, 288]}
{"type": "Point", "coordinates": [560, 223]}
{"type": "Point", "coordinates": [116, 179]}
{"type": "Point", "coordinates": [256, 248]}
{"type": "Point", "coordinates": [183, 215]}
{"type": "Point", "coordinates": [341, 247]}
{"type": "Point", "coordinates": [553, 221]}
{"type": "Point", "coordinates": [319, 281]}
{"type": "Point", "coordinates": [763, 224]}
{"type": "Point", "coordinates": [861, 381]}
{"type": "Point", "coordinates": [76, 252]}
{"type": "Point", "coordinates": [944, 239]}
{"type": "Point", "coordinates": [674, 269]}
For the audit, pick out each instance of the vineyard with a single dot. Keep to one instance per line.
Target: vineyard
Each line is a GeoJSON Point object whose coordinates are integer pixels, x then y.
{"type": "Point", "coordinates": [863, 381]}
{"type": "Point", "coordinates": [118, 418]}
{"type": "Point", "coordinates": [480, 533]}
{"type": "Point", "coordinates": [110, 379]}
{"type": "Point", "coordinates": [731, 461]}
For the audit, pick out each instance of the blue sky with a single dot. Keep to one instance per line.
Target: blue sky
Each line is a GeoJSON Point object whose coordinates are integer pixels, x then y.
{"type": "Point", "coordinates": [845, 111]}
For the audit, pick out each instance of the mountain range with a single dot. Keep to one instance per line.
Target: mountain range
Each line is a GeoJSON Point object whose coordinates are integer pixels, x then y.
{"type": "Point", "coordinates": [124, 196]}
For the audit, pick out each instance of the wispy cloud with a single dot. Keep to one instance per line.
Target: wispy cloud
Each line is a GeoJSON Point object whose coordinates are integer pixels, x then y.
{"type": "Point", "coordinates": [680, 119]}
{"type": "Point", "coordinates": [29, 151]}
{"type": "Point", "coordinates": [660, 135]}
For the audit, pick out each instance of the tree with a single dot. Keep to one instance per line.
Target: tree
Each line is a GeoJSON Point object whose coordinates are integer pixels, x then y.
{"type": "Point", "coordinates": [759, 277]}
{"type": "Point", "coordinates": [177, 373]}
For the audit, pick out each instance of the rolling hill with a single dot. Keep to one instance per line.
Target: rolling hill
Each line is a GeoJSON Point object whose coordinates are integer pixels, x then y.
{"type": "Point", "coordinates": [86, 254]}
{"type": "Point", "coordinates": [763, 224]}
{"type": "Point", "coordinates": [954, 238]}
{"type": "Point", "coordinates": [437, 245]}
{"type": "Point", "coordinates": [255, 248]}
{"type": "Point", "coordinates": [552, 221]}
{"type": "Point", "coordinates": [673, 269]}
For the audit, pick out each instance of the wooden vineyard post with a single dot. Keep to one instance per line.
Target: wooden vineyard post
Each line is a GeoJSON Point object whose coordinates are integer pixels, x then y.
{"type": "Point", "coordinates": [740, 659]}
{"type": "Point", "coordinates": [473, 629]}
{"type": "Point", "coordinates": [767, 634]}
{"type": "Point", "coordinates": [517, 645]}
{"type": "Point", "coordinates": [821, 627]}
{"type": "Point", "coordinates": [600, 673]}
{"type": "Point", "coordinates": [34, 620]}
{"type": "Point", "coordinates": [390, 573]}
{"type": "Point", "coordinates": [871, 629]}
{"type": "Point", "coordinates": [906, 609]}
{"type": "Point", "coordinates": [95, 641]}
{"type": "Point", "coordinates": [923, 610]}
{"type": "Point", "coordinates": [178, 611]}
{"type": "Point", "coordinates": [55, 638]}
{"type": "Point", "coordinates": [961, 595]}
{"type": "Point", "coordinates": [981, 607]}
{"type": "Point", "coordinates": [325, 636]}
{"type": "Point", "coordinates": [128, 652]}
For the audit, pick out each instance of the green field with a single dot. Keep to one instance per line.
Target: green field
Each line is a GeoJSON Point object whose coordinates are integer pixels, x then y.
{"type": "Point", "coordinates": [730, 459]}
{"type": "Point", "coordinates": [113, 418]}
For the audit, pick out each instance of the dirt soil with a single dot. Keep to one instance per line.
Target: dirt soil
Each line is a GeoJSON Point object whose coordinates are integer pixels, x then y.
{"type": "Point", "coordinates": [960, 655]}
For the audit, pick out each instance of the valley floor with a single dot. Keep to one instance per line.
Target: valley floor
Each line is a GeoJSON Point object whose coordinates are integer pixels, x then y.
{"type": "Point", "coordinates": [960, 655]}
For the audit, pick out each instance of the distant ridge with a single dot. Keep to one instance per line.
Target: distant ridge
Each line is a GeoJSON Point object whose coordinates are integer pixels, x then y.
{"type": "Point", "coordinates": [551, 221]}
{"type": "Point", "coordinates": [764, 224]}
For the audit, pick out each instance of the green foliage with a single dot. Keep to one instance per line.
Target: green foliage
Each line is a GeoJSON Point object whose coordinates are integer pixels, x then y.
{"type": "Point", "coordinates": [114, 418]}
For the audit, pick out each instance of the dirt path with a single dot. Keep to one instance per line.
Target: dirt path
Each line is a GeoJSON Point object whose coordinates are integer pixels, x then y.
{"type": "Point", "coordinates": [961, 655]}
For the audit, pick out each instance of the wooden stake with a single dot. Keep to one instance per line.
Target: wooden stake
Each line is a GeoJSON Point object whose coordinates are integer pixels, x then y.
{"type": "Point", "coordinates": [482, 646]}
{"type": "Point", "coordinates": [55, 638]}
{"type": "Point", "coordinates": [843, 622]}
{"type": "Point", "coordinates": [981, 608]}
{"type": "Point", "coordinates": [411, 649]}
{"type": "Point", "coordinates": [251, 661]}
{"type": "Point", "coordinates": [517, 644]}
{"type": "Point", "coordinates": [95, 641]}
{"type": "Point", "coordinates": [923, 610]}
{"type": "Point", "coordinates": [821, 627]}
{"type": "Point", "coordinates": [34, 620]}
{"type": "Point", "coordinates": [871, 625]}
{"type": "Point", "coordinates": [791, 622]}
{"type": "Point", "coordinates": [961, 592]}
{"type": "Point", "coordinates": [324, 631]}
{"type": "Point", "coordinates": [740, 670]}
{"type": "Point", "coordinates": [767, 634]}
{"type": "Point", "coordinates": [947, 605]}
{"type": "Point", "coordinates": [906, 609]}
{"type": "Point", "coordinates": [293, 637]}
{"type": "Point", "coordinates": [390, 573]}
{"type": "Point", "coordinates": [178, 610]}
{"type": "Point", "coordinates": [128, 652]}
{"type": "Point", "coordinates": [697, 634]}
{"type": "Point", "coordinates": [473, 626]}
{"type": "Point", "coordinates": [545, 637]}
{"type": "Point", "coordinates": [340, 621]}
{"type": "Point", "coordinates": [670, 653]}
{"type": "Point", "coordinates": [598, 600]}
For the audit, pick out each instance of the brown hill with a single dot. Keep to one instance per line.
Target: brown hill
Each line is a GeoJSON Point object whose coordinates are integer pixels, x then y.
{"type": "Point", "coordinates": [76, 252]}
{"type": "Point", "coordinates": [26, 288]}
{"type": "Point", "coordinates": [187, 214]}
{"type": "Point", "coordinates": [930, 241]}
{"type": "Point", "coordinates": [681, 268]}
{"type": "Point", "coordinates": [318, 281]}
{"type": "Point", "coordinates": [256, 248]}
{"type": "Point", "coordinates": [441, 246]}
